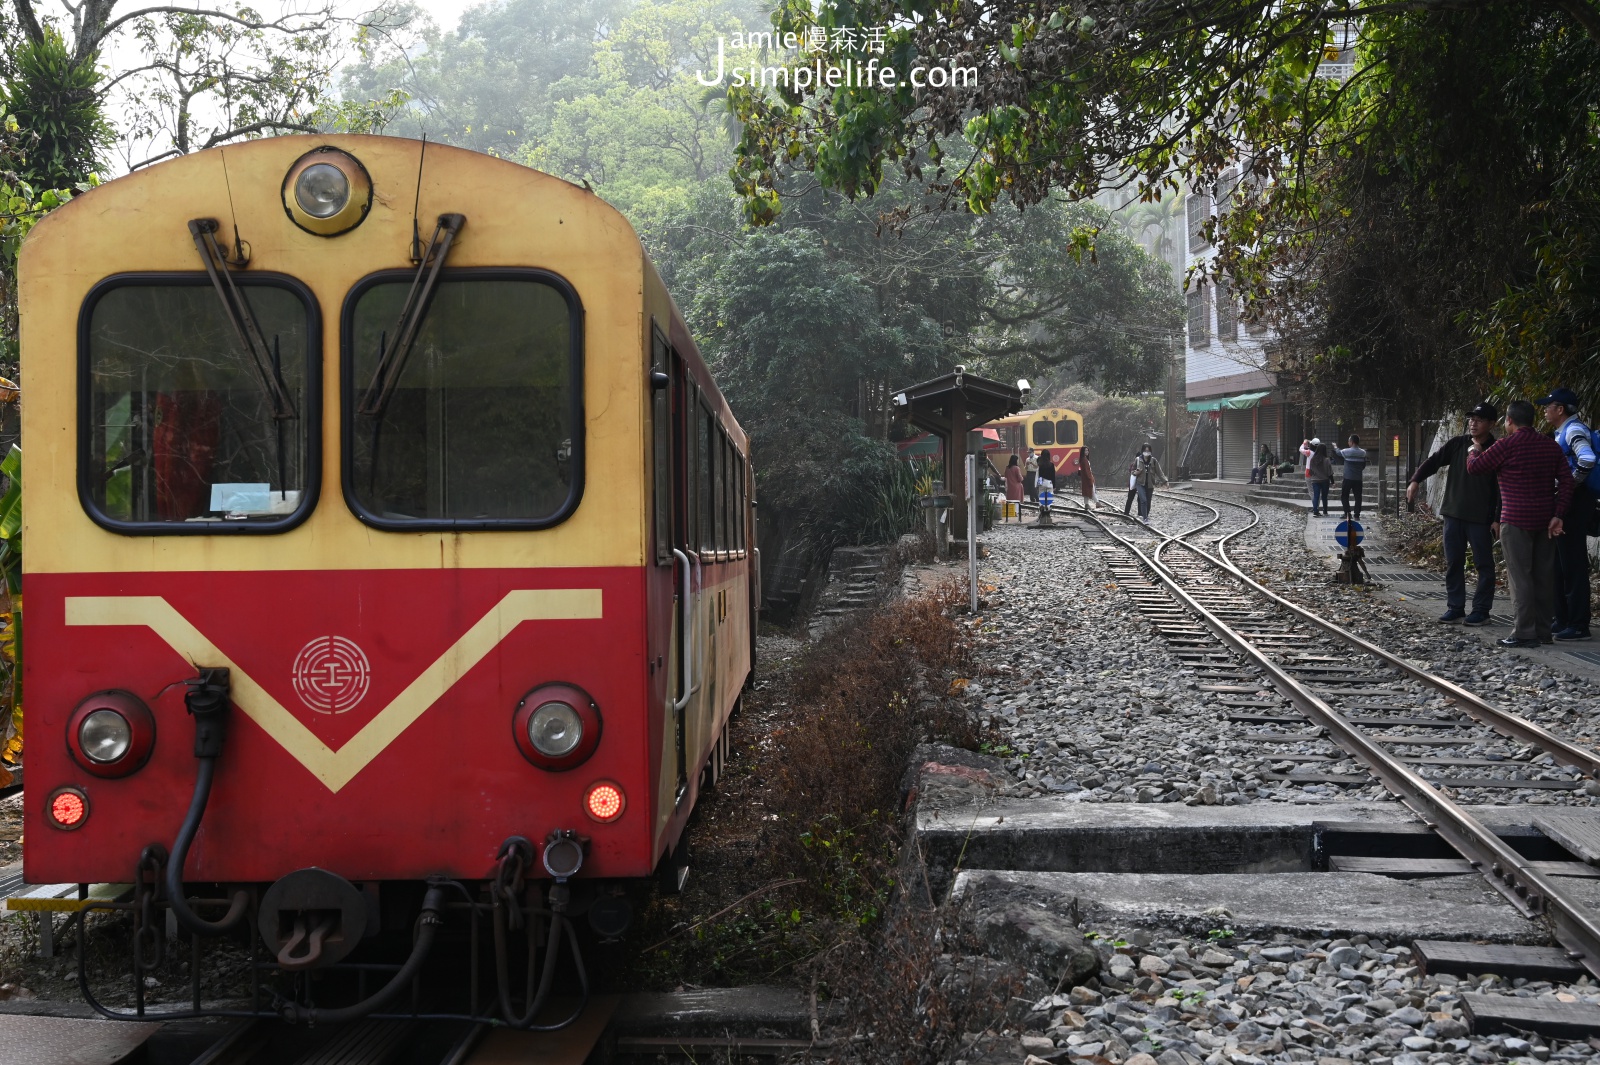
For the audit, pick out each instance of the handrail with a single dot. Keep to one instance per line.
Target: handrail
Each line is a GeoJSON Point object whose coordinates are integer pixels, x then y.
{"type": "Point", "coordinates": [686, 651]}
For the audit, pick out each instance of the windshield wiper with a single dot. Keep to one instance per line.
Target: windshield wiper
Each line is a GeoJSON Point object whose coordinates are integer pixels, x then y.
{"type": "Point", "coordinates": [392, 358]}
{"type": "Point", "coordinates": [237, 308]}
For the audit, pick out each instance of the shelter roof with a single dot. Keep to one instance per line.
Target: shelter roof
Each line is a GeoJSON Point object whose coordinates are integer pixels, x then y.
{"type": "Point", "coordinates": [931, 404]}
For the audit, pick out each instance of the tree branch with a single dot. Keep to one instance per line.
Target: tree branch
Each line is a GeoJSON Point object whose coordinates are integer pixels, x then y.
{"type": "Point", "coordinates": [1583, 14]}
{"type": "Point", "coordinates": [256, 127]}
{"type": "Point", "coordinates": [29, 20]}
{"type": "Point", "coordinates": [283, 25]}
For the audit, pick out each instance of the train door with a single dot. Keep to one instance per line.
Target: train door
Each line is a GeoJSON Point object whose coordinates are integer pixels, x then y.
{"type": "Point", "coordinates": [688, 473]}
{"type": "Point", "coordinates": [673, 524]}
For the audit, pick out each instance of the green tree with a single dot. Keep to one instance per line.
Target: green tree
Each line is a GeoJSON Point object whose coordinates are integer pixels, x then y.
{"type": "Point", "coordinates": [490, 84]}
{"type": "Point", "coordinates": [55, 102]}
{"type": "Point", "coordinates": [1421, 212]}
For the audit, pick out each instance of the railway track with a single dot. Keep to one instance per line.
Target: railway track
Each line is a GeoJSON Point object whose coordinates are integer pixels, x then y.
{"type": "Point", "coordinates": [1278, 668]}
{"type": "Point", "coordinates": [603, 1030]}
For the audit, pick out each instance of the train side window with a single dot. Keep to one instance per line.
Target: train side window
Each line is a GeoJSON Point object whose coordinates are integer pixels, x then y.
{"type": "Point", "coordinates": [181, 429]}
{"type": "Point", "coordinates": [484, 427]}
{"type": "Point", "coordinates": [724, 529]}
{"type": "Point", "coordinates": [729, 540]}
{"type": "Point", "coordinates": [661, 447]}
{"type": "Point", "coordinates": [1066, 431]}
{"type": "Point", "coordinates": [738, 500]}
{"type": "Point", "coordinates": [702, 480]}
{"type": "Point", "coordinates": [1044, 433]}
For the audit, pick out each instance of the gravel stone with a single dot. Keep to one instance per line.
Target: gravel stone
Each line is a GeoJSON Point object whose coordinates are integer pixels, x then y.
{"type": "Point", "coordinates": [1088, 704]}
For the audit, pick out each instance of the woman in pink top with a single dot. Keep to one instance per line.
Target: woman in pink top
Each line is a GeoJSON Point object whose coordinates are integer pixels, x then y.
{"type": "Point", "coordinates": [1014, 484]}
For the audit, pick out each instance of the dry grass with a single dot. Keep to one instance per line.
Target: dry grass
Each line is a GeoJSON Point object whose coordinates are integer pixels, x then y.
{"type": "Point", "coordinates": [795, 852]}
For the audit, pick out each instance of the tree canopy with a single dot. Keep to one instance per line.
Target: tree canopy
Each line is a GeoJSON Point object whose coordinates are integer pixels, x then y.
{"type": "Point", "coordinates": [1398, 184]}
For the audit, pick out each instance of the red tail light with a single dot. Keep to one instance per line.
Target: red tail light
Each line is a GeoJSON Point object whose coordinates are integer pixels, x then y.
{"type": "Point", "coordinates": [604, 801]}
{"type": "Point", "coordinates": [69, 808]}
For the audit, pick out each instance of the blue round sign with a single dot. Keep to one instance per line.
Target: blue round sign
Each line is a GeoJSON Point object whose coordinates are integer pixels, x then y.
{"type": "Point", "coordinates": [1348, 532]}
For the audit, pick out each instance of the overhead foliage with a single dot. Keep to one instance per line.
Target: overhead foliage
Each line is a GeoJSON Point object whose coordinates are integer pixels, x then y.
{"type": "Point", "coordinates": [1440, 230]}
{"type": "Point", "coordinates": [1424, 206]}
{"type": "Point", "coordinates": [601, 92]}
{"type": "Point", "coordinates": [206, 76]}
{"type": "Point", "coordinates": [54, 101]}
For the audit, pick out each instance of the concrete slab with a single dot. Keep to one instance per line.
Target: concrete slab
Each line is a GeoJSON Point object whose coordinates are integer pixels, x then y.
{"type": "Point", "coordinates": [1311, 905]}
{"type": "Point", "coordinates": [714, 1009]}
{"type": "Point", "coordinates": [59, 1041]}
{"type": "Point", "coordinates": [960, 825]}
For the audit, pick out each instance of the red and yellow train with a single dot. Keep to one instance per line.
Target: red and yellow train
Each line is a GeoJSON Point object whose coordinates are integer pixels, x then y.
{"type": "Point", "coordinates": [390, 551]}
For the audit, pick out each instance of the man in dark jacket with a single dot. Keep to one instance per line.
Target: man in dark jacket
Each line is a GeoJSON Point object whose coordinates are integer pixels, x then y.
{"type": "Point", "coordinates": [1471, 514]}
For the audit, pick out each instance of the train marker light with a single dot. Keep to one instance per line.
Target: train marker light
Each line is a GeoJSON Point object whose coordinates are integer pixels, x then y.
{"type": "Point", "coordinates": [111, 733]}
{"type": "Point", "coordinates": [604, 801]}
{"type": "Point", "coordinates": [556, 726]}
{"type": "Point", "coordinates": [68, 808]}
{"type": "Point", "coordinates": [327, 192]}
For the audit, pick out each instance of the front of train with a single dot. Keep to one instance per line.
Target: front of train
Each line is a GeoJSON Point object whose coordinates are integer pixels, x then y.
{"type": "Point", "coordinates": [328, 640]}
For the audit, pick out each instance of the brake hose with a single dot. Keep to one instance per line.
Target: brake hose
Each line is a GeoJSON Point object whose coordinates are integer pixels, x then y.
{"type": "Point", "coordinates": [207, 702]}
{"type": "Point", "coordinates": [559, 895]}
{"type": "Point", "coordinates": [428, 923]}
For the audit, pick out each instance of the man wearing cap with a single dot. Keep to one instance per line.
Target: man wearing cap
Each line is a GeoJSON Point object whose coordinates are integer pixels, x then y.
{"type": "Point", "coordinates": [1572, 549]}
{"type": "Point", "coordinates": [1471, 513]}
{"type": "Point", "coordinates": [1535, 487]}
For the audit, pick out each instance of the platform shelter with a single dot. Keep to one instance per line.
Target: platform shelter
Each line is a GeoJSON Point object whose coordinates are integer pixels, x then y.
{"type": "Point", "coordinates": [950, 407]}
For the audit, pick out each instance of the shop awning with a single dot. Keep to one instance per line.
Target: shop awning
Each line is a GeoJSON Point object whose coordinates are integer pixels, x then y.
{"type": "Point", "coordinates": [1249, 399]}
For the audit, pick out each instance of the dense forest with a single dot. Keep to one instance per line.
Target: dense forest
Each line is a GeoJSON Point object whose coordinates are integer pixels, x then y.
{"type": "Point", "coordinates": [834, 300]}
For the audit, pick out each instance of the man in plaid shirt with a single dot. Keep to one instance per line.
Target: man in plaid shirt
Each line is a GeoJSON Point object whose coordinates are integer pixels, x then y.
{"type": "Point", "coordinates": [1535, 488]}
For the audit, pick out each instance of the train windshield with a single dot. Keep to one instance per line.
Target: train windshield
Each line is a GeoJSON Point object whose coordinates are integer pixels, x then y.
{"type": "Point", "coordinates": [483, 425]}
{"type": "Point", "coordinates": [1044, 433]}
{"type": "Point", "coordinates": [1066, 431]}
{"type": "Point", "coordinates": [180, 432]}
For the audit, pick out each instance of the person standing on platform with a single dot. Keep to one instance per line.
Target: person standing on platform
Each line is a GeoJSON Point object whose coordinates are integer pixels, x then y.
{"type": "Point", "coordinates": [1047, 472]}
{"type": "Point", "coordinates": [1014, 486]}
{"type": "Point", "coordinates": [1030, 476]}
{"type": "Point", "coordinates": [1572, 549]}
{"type": "Point", "coordinates": [1471, 512]}
{"type": "Point", "coordinates": [1086, 478]}
{"type": "Point", "coordinates": [1355, 464]}
{"type": "Point", "coordinates": [1319, 475]}
{"type": "Point", "coordinates": [1535, 488]}
{"type": "Point", "coordinates": [1145, 471]}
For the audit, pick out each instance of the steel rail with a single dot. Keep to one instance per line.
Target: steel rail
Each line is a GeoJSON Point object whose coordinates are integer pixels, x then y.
{"type": "Point", "coordinates": [1529, 892]}
{"type": "Point", "coordinates": [1475, 706]}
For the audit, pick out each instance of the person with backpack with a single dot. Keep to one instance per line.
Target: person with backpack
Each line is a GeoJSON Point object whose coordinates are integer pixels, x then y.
{"type": "Point", "coordinates": [1572, 549]}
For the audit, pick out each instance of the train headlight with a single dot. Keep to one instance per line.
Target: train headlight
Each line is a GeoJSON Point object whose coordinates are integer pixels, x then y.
{"type": "Point", "coordinates": [111, 733]}
{"type": "Point", "coordinates": [105, 736]}
{"type": "Point", "coordinates": [556, 726]}
{"type": "Point", "coordinates": [327, 192]}
{"type": "Point", "coordinates": [321, 190]}
{"type": "Point", "coordinates": [555, 729]}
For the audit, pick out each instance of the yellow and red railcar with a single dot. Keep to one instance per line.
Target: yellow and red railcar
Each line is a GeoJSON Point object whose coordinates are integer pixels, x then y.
{"type": "Point", "coordinates": [1053, 429]}
{"type": "Point", "coordinates": [385, 529]}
